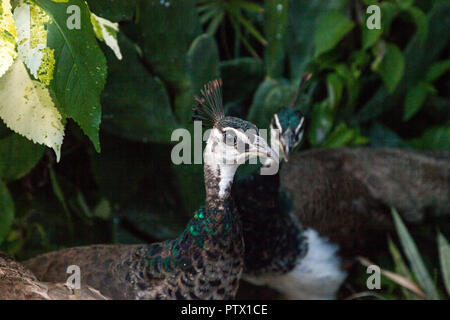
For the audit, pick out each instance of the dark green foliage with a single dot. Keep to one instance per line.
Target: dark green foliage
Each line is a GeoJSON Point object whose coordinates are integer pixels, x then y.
{"type": "Point", "coordinates": [136, 104]}
{"type": "Point", "coordinates": [114, 10]}
{"type": "Point", "coordinates": [165, 33]}
{"type": "Point", "coordinates": [275, 28]}
{"type": "Point", "coordinates": [241, 77]}
{"type": "Point", "coordinates": [7, 211]}
{"type": "Point", "coordinates": [383, 88]}
{"type": "Point", "coordinates": [80, 73]}
{"type": "Point", "coordinates": [18, 156]}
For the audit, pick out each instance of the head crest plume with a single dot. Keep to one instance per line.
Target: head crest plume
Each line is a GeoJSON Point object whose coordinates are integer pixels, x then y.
{"type": "Point", "coordinates": [305, 78]}
{"type": "Point", "coordinates": [209, 106]}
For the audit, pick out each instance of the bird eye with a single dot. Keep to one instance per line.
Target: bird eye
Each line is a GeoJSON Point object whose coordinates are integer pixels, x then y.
{"type": "Point", "coordinates": [231, 139]}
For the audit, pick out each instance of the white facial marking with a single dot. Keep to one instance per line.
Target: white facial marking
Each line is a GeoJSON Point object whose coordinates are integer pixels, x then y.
{"type": "Point", "coordinates": [317, 275]}
{"type": "Point", "coordinates": [300, 125]}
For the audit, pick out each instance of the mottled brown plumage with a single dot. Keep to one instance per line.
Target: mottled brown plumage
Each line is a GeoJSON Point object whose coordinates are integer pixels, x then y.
{"type": "Point", "coordinates": [205, 261]}
{"type": "Point", "coordinates": [345, 194]}
{"type": "Point", "coordinates": [18, 283]}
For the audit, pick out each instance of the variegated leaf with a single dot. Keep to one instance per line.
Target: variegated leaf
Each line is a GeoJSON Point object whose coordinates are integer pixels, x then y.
{"type": "Point", "coordinates": [106, 31]}
{"type": "Point", "coordinates": [27, 108]}
{"type": "Point", "coordinates": [31, 23]}
{"type": "Point", "coordinates": [7, 37]}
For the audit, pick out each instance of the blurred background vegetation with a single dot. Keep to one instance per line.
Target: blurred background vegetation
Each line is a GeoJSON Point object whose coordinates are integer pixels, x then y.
{"type": "Point", "coordinates": [379, 88]}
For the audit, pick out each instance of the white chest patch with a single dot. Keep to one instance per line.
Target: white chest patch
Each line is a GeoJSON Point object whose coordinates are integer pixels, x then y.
{"type": "Point", "coordinates": [316, 276]}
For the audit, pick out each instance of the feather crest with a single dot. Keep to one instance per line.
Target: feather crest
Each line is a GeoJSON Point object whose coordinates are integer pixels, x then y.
{"type": "Point", "coordinates": [209, 106]}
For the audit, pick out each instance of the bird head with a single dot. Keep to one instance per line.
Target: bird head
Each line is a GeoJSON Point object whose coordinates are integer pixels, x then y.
{"type": "Point", "coordinates": [289, 124]}
{"type": "Point", "coordinates": [232, 141]}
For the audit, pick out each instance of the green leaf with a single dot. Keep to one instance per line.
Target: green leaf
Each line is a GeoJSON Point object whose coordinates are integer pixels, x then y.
{"type": "Point", "coordinates": [322, 120]}
{"type": "Point", "coordinates": [370, 37]}
{"type": "Point", "coordinates": [81, 67]}
{"type": "Point", "coordinates": [6, 211]}
{"type": "Point", "coordinates": [136, 105]}
{"type": "Point", "coordinates": [414, 258]}
{"type": "Point", "coordinates": [256, 112]}
{"type": "Point", "coordinates": [420, 19]}
{"type": "Point", "coordinates": [335, 87]}
{"type": "Point", "coordinates": [437, 69]}
{"type": "Point", "coordinates": [404, 3]}
{"type": "Point", "coordinates": [415, 97]}
{"type": "Point", "coordinates": [114, 10]}
{"type": "Point", "coordinates": [270, 96]}
{"type": "Point", "coordinates": [418, 57]}
{"type": "Point", "coordinates": [18, 156]}
{"type": "Point", "coordinates": [103, 209]}
{"type": "Point", "coordinates": [276, 98]}
{"type": "Point", "coordinates": [332, 27]}
{"type": "Point", "coordinates": [391, 67]}
{"type": "Point", "coordinates": [351, 84]}
{"type": "Point", "coordinates": [434, 138]}
{"type": "Point", "coordinates": [165, 33]}
{"type": "Point", "coordinates": [304, 17]}
{"type": "Point", "coordinates": [444, 256]}
{"type": "Point", "coordinates": [276, 16]}
{"type": "Point", "coordinates": [388, 13]}
{"type": "Point", "coordinates": [340, 137]}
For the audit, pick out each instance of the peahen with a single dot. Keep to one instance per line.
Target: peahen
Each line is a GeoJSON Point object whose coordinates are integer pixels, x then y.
{"type": "Point", "coordinates": [303, 226]}
{"type": "Point", "coordinates": [206, 260]}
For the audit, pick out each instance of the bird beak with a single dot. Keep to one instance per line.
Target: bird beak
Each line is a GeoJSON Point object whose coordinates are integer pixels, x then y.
{"type": "Point", "coordinates": [285, 150]}
{"type": "Point", "coordinates": [286, 147]}
{"type": "Point", "coordinates": [261, 148]}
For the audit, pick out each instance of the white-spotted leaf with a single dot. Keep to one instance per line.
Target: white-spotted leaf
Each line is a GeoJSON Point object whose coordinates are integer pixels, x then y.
{"type": "Point", "coordinates": [7, 37]}
{"type": "Point", "coordinates": [106, 31]}
{"type": "Point", "coordinates": [27, 108]}
{"type": "Point", "coordinates": [31, 23]}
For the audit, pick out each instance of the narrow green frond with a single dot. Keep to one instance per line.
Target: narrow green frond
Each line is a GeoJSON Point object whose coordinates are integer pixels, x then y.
{"type": "Point", "coordinates": [249, 6]}
{"type": "Point", "coordinates": [215, 23]}
{"type": "Point", "coordinates": [414, 258]}
{"type": "Point", "coordinates": [250, 27]}
{"type": "Point", "coordinates": [401, 268]}
{"type": "Point", "coordinates": [444, 256]}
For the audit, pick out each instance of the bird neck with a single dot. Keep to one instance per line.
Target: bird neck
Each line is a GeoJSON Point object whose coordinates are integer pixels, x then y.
{"type": "Point", "coordinates": [214, 235]}
{"type": "Point", "coordinates": [276, 144]}
{"type": "Point", "coordinates": [265, 209]}
{"type": "Point", "coordinates": [218, 182]}
{"type": "Point", "coordinates": [218, 175]}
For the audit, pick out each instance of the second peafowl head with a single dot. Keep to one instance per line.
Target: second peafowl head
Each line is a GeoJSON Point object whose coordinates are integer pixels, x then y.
{"type": "Point", "coordinates": [287, 125]}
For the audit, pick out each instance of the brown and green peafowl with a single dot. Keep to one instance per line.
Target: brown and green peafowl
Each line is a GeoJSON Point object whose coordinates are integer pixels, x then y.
{"type": "Point", "coordinates": [207, 259]}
